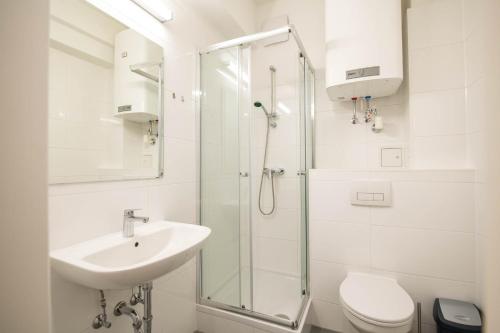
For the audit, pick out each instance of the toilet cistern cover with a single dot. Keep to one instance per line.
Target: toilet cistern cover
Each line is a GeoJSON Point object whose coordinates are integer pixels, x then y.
{"type": "Point", "coordinates": [376, 298]}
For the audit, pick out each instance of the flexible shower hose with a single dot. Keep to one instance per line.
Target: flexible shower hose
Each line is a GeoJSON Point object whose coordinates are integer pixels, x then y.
{"type": "Point", "coordinates": [271, 175]}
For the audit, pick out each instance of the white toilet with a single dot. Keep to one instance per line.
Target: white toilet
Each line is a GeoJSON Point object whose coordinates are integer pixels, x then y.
{"type": "Point", "coordinates": [375, 304]}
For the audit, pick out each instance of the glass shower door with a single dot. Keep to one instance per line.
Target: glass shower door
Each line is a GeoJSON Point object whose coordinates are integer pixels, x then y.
{"type": "Point", "coordinates": [255, 119]}
{"type": "Point", "coordinates": [224, 199]}
{"type": "Point", "coordinates": [306, 163]}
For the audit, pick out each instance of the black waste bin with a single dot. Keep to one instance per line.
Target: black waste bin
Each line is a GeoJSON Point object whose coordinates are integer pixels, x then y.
{"type": "Point", "coordinates": [454, 316]}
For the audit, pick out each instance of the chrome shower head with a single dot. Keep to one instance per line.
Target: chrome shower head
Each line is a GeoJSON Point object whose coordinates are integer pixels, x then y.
{"type": "Point", "coordinates": [258, 104]}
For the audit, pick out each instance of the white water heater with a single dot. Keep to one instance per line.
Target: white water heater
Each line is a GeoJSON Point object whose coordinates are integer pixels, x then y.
{"type": "Point", "coordinates": [364, 52]}
{"type": "Point", "coordinates": [136, 77]}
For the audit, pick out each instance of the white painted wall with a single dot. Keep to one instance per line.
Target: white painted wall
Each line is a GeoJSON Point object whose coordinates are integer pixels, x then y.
{"type": "Point", "coordinates": [308, 18]}
{"type": "Point", "coordinates": [482, 69]}
{"type": "Point", "coordinates": [24, 277]}
{"type": "Point", "coordinates": [234, 18]}
{"type": "Point", "coordinates": [242, 12]}
{"type": "Point", "coordinates": [81, 211]}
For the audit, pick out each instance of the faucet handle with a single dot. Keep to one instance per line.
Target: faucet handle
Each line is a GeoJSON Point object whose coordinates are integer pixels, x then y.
{"type": "Point", "coordinates": [130, 212]}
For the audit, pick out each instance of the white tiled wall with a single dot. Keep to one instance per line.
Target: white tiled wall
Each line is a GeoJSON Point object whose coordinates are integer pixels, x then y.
{"type": "Point", "coordinates": [425, 239]}
{"type": "Point", "coordinates": [437, 85]}
{"type": "Point", "coordinates": [426, 117]}
{"type": "Point", "coordinates": [342, 145]}
{"type": "Point", "coordinates": [276, 236]}
{"type": "Point", "coordinates": [81, 211]}
{"type": "Point", "coordinates": [433, 215]}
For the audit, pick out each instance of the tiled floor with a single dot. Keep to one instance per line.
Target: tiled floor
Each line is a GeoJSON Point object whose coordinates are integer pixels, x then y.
{"type": "Point", "coordinates": [316, 329]}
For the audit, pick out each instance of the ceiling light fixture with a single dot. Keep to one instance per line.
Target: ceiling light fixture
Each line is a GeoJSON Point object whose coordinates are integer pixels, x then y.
{"type": "Point", "coordinates": [132, 15]}
{"type": "Point", "coordinates": [155, 8]}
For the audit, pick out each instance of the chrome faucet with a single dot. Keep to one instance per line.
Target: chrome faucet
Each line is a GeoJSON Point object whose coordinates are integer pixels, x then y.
{"type": "Point", "coordinates": [128, 222]}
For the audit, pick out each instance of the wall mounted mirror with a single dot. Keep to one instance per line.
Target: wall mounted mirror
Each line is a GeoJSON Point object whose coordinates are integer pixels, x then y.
{"type": "Point", "coordinates": [105, 98]}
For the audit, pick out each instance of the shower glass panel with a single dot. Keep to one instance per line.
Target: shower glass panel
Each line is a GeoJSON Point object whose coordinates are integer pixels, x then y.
{"type": "Point", "coordinates": [306, 160]}
{"type": "Point", "coordinates": [224, 191]}
{"type": "Point", "coordinates": [255, 119]}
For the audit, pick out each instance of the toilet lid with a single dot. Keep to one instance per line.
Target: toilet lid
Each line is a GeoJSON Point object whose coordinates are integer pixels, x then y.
{"type": "Point", "coordinates": [376, 298]}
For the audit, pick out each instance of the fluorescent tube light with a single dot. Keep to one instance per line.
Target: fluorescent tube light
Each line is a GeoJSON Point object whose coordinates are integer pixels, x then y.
{"type": "Point", "coordinates": [155, 8]}
{"type": "Point", "coordinates": [134, 17]}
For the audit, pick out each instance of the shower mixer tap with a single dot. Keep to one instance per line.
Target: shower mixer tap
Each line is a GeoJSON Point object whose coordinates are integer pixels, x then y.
{"type": "Point", "coordinates": [270, 172]}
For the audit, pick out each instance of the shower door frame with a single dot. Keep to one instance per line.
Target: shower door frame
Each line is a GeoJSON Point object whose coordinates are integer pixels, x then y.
{"type": "Point", "coordinates": [240, 43]}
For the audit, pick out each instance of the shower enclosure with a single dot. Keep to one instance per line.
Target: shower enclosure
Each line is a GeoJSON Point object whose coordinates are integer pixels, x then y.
{"type": "Point", "coordinates": [255, 121]}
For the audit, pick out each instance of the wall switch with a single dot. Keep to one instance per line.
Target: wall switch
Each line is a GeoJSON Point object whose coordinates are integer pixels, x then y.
{"type": "Point", "coordinates": [391, 157]}
{"type": "Point", "coordinates": [371, 193]}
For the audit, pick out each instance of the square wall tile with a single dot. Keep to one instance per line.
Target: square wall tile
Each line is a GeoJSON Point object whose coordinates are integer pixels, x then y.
{"type": "Point", "coordinates": [80, 217]}
{"type": "Point", "coordinates": [326, 278]}
{"type": "Point", "coordinates": [429, 205]}
{"type": "Point", "coordinates": [335, 128]}
{"type": "Point", "coordinates": [439, 152]}
{"type": "Point", "coordinates": [282, 224]}
{"type": "Point", "coordinates": [345, 243]}
{"type": "Point", "coordinates": [439, 22]}
{"type": "Point", "coordinates": [475, 109]}
{"type": "Point", "coordinates": [351, 156]}
{"type": "Point", "coordinates": [437, 68]}
{"type": "Point", "coordinates": [180, 161]}
{"type": "Point", "coordinates": [331, 201]}
{"type": "Point", "coordinates": [326, 315]}
{"type": "Point", "coordinates": [276, 255]}
{"type": "Point", "coordinates": [441, 254]}
{"type": "Point", "coordinates": [477, 46]}
{"type": "Point", "coordinates": [173, 202]}
{"type": "Point", "coordinates": [438, 112]}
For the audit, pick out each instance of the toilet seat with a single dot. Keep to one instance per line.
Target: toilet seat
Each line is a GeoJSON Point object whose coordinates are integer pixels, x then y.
{"type": "Point", "coordinates": [376, 300]}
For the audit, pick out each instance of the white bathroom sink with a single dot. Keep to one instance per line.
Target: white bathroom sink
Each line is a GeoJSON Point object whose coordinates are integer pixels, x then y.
{"type": "Point", "coordinates": [115, 262]}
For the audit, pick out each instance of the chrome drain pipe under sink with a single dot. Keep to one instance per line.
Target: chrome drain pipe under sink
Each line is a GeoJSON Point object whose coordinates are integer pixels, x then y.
{"type": "Point", "coordinates": [143, 325]}
{"type": "Point", "coordinates": [123, 309]}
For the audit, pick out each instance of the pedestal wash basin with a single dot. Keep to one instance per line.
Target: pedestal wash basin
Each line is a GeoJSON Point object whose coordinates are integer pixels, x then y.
{"type": "Point", "coordinates": [115, 262]}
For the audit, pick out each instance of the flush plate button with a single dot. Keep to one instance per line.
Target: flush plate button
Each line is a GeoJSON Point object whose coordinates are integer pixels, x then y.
{"type": "Point", "coordinates": [371, 193]}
